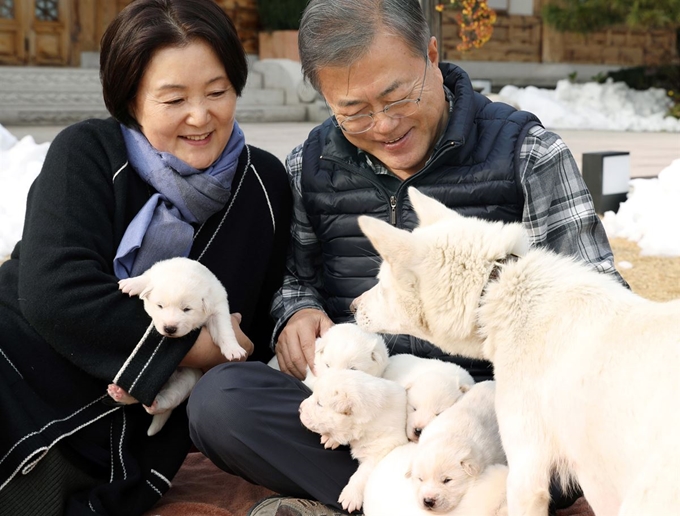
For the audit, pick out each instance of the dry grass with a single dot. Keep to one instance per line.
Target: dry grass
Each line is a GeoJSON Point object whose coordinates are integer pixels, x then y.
{"type": "Point", "coordinates": [652, 277]}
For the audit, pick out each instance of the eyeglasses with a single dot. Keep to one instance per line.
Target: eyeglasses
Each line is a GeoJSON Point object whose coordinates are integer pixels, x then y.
{"type": "Point", "coordinates": [357, 124]}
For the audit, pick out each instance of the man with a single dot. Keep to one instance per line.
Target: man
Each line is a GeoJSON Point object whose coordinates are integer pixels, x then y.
{"type": "Point", "coordinates": [399, 119]}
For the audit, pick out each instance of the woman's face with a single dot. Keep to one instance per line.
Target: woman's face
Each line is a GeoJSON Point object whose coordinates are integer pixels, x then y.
{"type": "Point", "coordinates": [185, 103]}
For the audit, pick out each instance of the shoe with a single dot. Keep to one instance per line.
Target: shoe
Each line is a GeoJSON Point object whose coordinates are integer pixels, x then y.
{"type": "Point", "coordinates": [288, 506]}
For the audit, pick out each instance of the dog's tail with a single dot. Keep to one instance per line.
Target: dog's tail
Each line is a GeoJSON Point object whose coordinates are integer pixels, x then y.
{"type": "Point", "coordinates": [158, 422]}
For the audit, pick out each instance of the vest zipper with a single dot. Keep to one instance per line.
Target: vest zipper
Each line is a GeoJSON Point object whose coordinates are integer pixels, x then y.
{"type": "Point", "coordinates": [393, 198]}
{"type": "Point", "coordinates": [393, 212]}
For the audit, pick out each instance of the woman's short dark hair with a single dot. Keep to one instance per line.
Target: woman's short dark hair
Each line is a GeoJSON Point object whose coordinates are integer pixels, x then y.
{"type": "Point", "coordinates": [146, 26]}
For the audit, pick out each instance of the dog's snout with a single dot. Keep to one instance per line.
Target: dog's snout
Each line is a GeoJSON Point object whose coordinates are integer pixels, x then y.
{"type": "Point", "coordinates": [429, 502]}
{"type": "Point", "coordinates": [170, 330]}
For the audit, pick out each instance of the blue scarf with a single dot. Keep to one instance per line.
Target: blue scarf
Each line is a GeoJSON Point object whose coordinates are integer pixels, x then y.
{"type": "Point", "coordinates": [163, 227]}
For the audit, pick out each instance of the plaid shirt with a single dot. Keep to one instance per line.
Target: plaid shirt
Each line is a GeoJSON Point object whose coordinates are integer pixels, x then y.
{"type": "Point", "coordinates": [558, 214]}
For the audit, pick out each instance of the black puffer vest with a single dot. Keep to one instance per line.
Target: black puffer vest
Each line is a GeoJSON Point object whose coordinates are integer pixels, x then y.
{"type": "Point", "coordinates": [474, 170]}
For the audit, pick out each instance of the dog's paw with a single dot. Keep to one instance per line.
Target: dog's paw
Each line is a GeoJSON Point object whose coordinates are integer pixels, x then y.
{"type": "Point", "coordinates": [155, 408]}
{"type": "Point", "coordinates": [120, 395]}
{"type": "Point", "coordinates": [131, 286]}
{"type": "Point", "coordinates": [328, 442]}
{"type": "Point", "coordinates": [352, 497]}
{"type": "Point", "coordinates": [234, 352]}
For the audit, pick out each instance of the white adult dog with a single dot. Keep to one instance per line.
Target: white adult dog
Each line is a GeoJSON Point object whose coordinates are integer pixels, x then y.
{"type": "Point", "coordinates": [389, 491]}
{"type": "Point", "coordinates": [431, 385]}
{"type": "Point", "coordinates": [455, 449]}
{"type": "Point", "coordinates": [586, 370]}
{"type": "Point", "coordinates": [181, 295]}
{"type": "Point", "coordinates": [367, 413]}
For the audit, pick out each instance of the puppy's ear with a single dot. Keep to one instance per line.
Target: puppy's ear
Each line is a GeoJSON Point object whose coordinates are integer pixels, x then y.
{"type": "Point", "coordinates": [204, 305]}
{"type": "Point", "coordinates": [471, 463]}
{"type": "Point", "coordinates": [429, 210]}
{"type": "Point", "coordinates": [319, 344]}
{"type": "Point", "coordinates": [342, 403]}
{"type": "Point", "coordinates": [144, 294]}
{"type": "Point", "coordinates": [394, 245]}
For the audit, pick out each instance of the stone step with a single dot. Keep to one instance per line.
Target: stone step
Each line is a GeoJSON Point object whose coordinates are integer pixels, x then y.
{"type": "Point", "coordinates": [59, 96]}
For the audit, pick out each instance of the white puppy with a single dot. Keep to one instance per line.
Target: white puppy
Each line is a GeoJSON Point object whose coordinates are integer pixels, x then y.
{"type": "Point", "coordinates": [389, 490]}
{"type": "Point", "coordinates": [181, 295]}
{"type": "Point", "coordinates": [586, 370]}
{"type": "Point", "coordinates": [431, 385]}
{"type": "Point", "coordinates": [456, 448]}
{"type": "Point", "coordinates": [346, 346]}
{"type": "Point", "coordinates": [367, 413]}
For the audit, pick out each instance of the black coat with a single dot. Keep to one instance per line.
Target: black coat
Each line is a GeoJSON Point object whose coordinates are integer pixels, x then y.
{"type": "Point", "coordinates": [66, 330]}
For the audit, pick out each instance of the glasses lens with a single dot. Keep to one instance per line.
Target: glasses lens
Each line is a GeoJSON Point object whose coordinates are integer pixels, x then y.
{"type": "Point", "coordinates": [402, 108]}
{"type": "Point", "coordinates": [359, 124]}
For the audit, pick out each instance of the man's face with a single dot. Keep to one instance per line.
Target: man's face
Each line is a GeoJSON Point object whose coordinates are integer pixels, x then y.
{"type": "Point", "coordinates": [390, 72]}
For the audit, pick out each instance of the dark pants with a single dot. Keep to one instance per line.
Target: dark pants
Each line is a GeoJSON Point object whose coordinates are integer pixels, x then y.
{"type": "Point", "coordinates": [244, 417]}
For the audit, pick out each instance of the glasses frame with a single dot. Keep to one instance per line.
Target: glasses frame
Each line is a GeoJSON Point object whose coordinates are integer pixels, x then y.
{"type": "Point", "coordinates": [384, 110]}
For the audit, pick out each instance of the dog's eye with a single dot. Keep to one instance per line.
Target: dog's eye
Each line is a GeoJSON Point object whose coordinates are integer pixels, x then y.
{"type": "Point", "coordinates": [446, 481]}
{"type": "Point", "coordinates": [185, 310]}
{"type": "Point", "coordinates": [352, 368]}
{"type": "Point", "coordinates": [318, 403]}
{"type": "Point", "coordinates": [160, 306]}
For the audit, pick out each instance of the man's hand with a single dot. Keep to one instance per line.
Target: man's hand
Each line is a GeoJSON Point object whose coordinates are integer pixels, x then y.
{"type": "Point", "coordinates": [295, 347]}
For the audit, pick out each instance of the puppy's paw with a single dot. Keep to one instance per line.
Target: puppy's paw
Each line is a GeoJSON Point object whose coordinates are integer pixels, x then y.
{"type": "Point", "coordinates": [155, 408]}
{"type": "Point", "coordinates": [120, 395]}
{"type": "Point", "coordinates": [328, 442]}
{"type": "Point", "coordinates": [351, 497]}
{"type": "Point", "coordinates": [132, 286]}
{"type": "Point", "coordinates": [233, 352]}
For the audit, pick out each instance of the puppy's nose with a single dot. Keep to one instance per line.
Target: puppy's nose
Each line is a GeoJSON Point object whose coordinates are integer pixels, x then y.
{"type": "Point", "coordinates": [417, 431]}
{"type": "Point", "coordinates": [170, 330]}
{"type": "Point", "coordinates": [429, 502]}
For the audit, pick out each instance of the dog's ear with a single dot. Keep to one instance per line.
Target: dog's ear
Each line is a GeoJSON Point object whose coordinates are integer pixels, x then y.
{"type": "Point", "coordinates": [342, 403]}
{"type": "Point", "coordinates": [319, 345]}
{"type": "Point", "coordinates": [144, 294]}
{"type": "Point", "coordinates": [471, 463]}
{"type": "Point", "coordinates": [393, 244]}
{"type": "Point", "coordinates": [428, 209]}
{"type": "Point", "coordinates": [515, 239]}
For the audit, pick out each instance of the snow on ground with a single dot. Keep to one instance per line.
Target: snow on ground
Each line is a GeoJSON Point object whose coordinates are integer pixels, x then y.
{"type": "Point", "coordinates": [20, 163]}
{"type": "Point", "coordinates": [649, 216]}
{"type": "Point", "coordinates": [611, 106]}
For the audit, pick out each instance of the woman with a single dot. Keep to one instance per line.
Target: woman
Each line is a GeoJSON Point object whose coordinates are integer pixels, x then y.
{"type": "Point", "coordinates": [169, 175]}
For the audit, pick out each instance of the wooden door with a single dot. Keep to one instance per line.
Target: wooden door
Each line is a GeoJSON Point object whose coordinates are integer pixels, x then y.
{"type": "Point", "coordinates": [34, 32]}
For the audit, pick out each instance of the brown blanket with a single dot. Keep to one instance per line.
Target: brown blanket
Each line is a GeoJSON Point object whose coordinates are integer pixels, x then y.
{"type": "Point", "coordinates": [201, 489]}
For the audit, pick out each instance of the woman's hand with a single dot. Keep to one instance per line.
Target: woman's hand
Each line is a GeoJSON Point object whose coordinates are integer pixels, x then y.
{"type": "Point", "coordinates": [205, 354]}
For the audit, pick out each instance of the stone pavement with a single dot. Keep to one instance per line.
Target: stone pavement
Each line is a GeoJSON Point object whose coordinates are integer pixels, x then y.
{"type": "Point", "coordinates": [650, 152]}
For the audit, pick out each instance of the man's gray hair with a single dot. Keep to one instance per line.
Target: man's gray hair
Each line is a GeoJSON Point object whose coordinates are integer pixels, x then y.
{"type": "Point", "coordinates": [338, 32]}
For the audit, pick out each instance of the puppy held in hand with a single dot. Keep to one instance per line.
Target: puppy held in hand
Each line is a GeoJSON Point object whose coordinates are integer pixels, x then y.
{"type": "Point", "coordinates": [455, 449]}
{"type": "Point", "coordinates": [181, 295]}
{"type": "Point", "coordinates": [431, 385]}
{"type": "Point", "coordinates": [346, 346]}
{"type": "Point", "coordinates": [367, 413]}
